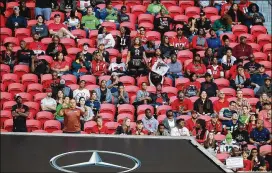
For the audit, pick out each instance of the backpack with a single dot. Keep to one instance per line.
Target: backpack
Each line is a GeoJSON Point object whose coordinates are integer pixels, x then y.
{"type": "Point", "coordinates": [191, 91]}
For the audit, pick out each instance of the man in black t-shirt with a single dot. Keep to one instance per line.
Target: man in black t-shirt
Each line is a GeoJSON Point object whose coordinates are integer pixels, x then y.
{"type": "Point", "coordinates": [162, 23]}
{"type": "Point", "coordinates": [20, 113]}
{"type": "Point", "coordinates": [203, 22]}
{"type": "Point", "coordinates": [209, 86]}
{"type": "Point", "coordinates": [25, 55]}
{"type": "Point", "coordinates": [252, 66]}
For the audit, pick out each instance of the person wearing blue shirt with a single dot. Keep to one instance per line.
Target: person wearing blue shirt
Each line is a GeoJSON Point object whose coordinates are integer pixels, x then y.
{"type": "Point", "coordinates": [213, 42]}
{"type": "Point", "coordinates": [259, 135]}
{"type": "Point", "coordinates": [93, 103]}
{"type": "Point", "coordinates": [257, 79]}
{"type": "Point", "coordinates": [16, 21]}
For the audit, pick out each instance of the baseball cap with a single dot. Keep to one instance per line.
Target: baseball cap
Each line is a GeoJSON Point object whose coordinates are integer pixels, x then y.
{"type": "Point", "coordinates": [268, 78]}
{"type": "Point", "coordinates": [17, 96]}
{"type": "Point", "coordinates": [62, 81]}
{"type": "Point", "coordinates": [15, 8]}
{"type": "Point", "coordinates": [202, 14]}
{"type": "Point", "coordinates": [56, 15]}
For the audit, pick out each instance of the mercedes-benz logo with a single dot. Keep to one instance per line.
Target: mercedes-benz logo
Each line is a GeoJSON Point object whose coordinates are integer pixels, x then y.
{"type": "Point", "coordinates": [95, 160]}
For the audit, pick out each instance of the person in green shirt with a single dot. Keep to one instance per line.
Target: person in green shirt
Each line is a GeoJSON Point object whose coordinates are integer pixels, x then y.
{"type": "Point", "coordinates": [109, 13]}
{"type": "Point", "coordinates": [222, 25]}
{"type": "Point", "coordinates": [244, 117]}
{"type": "Point", "coordinates": [60, 106]}
{"type": "Point", "coordinates": [155, 7]}
{"type": "Point", "coordinates": [89, 21]}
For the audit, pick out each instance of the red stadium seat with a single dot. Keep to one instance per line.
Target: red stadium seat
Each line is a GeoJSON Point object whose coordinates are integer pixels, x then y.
{"type": "Point", "coordinates": [112, 126]}
{"type": "Point", "coordinates": [151, 89]}
{"type": "Point", "coordinates": [16, 48]}
{"type": "Point", "coordinates": [127, 80]}
{"type": "Point", "coordinates": [26, 97]}
{"type": "Point", "coordinates": [248, 93]}
{"type": "Point", "coordinates": [205, 117]}
{"type": "Point", "coordinates": [33, 107]}
{"type": "Point", "coordinates": [89, 79]}
{"type": "Point", "coordinates": [2, 21]}
{"type": "Point", "coordinates": [142, 79]}
{"type": "Point", "coordinates": [72, 52]}
{"type": "Point", "coordinates": [213, 99]}
{"type": "Point", "coordinates": [130, 25]}
{"type": "Point", "coordinates": [13, 40]}
{"type": "Point", "coordinates": [194, 98]}
{"type": "Point", "coordinates": [121, 117]}
{"type": "Point", "coordinates": [231, 36]}
{"type": "Point", "coordinates": [256, 30]}
{"type": "Point", "coordinates": [8, 125]}
{"type": "Point", "coordinates": [210, 11]}
{"type": "Point", "coordinates": [28, 40]}
{"type": "Point", "coordinates": [181, 18]}
{"type": "Point", "coordinates": [2, 87]}
{"type": "Point", "coordinates": [222, 156]}
{"type": "Point", "coordinates": [253, 102]}
{"type": "Point", "coordinates": [113, 53]}
{"type": "Point", "coordinates": [110, 26]}
{"type": "Point", "coordinates": [154, 35]}
{"type": "Point", "coordinates": [138, 9]}
{"type": "Point", "coordinates": [15, 88]}
{"type": "Point", "coordinates": [57, 12]}
{"type": "Point", "coordinates": [107, 117]}
{"type": "Point", "coordinates": [222, 83]}
{"type": "Point", "coordinates": [184, 55]}
{"type": "Point", "coordinates": [219, 137]}
{"type": "Point", "coordinates": [132, 99]}
{"type": "Point", "coordinates": [229, 92]}
{"type": "Point", "coordinates": [4, 33]}
{"type": "Point", "coordinates": [232, 45]}
{"type": "Point", "coordinates": [147, 26]}
{"type": "Point", "coordinates": [239, 29]}
{"type": "Point", "coordinates": [68, 42]}
{"type": "Point", "coordinates": [255, 47]}
{"type": "Point", "coordinates": [88, 126]}
{"type": "Point", "coordinates": [39, 131]}
{"type": "Point", "coordinates": [263, 39]}
{"type": "Point", "coordinates": [163, 109]}
{"type": "Point", "coordinates": [46, 78]}
{"type": "Point", "coordinates": [108, 108]}
{"type": "Point", "coordinates": [118, 6]}
{"type": "Point", "coordinates": [213, 18]}
{"type": "Point", "coordinates": [80, 42]}
{"type": "Point", "coordinates": [114, 33]}
{"type": "Point", "coordinates": [31, 23]}
{"type": "Point", "coordinates": [69, 79]}
{"type": "Point", "coordinates": [91, 87]}
{"type": "Point", "coordinates": [4, 69]}
{"type": "Point", "coordinates": [46, 41]}
{"type": "Point", "coordinates": [179, 83]}
{"type": "Point", "coordinates": [47, 58]}
{"type": "Point", "coordinates": [260, 56]}
{"type": "Point", "coordinates": [79, 33]}
{"type": "Point", "coordinates": [35, 88]}
{"type": "Point", "coordinates": [44, 116]}
{"type": "Point", "coordinates": [267, 49]}
{"type": "Point", "coordinates": [73, 86]}
{"type": "Point", "coordinates": [231, 99]}
{"type": "Point", "coordinates": [126, 108]}
{"type": "Point", "coordinates": [145, 18]}
{"type": "Point", "coordinates": [21, 33]}
{"type": "Point", "coordinates": [4, 115]}
{"type": "Point", "coordinates": [51, 125]}
{"type": "Point", "coordinates": [33, 125]}
{"type": "Point", "coordinates": [169, 3]}
{"type": "Point", "coordinates": [171, 91]}
{"type": "Point", "coordinates": [175, 10]}
{"type": "Point", "coordinates": [39, 96]}
{"type": "Point", "coordinates": [269, 73]}
{"type": "Point", "coordinates": [140, 117]}
{"type": "Point", "coordinates": [20, 70]}
{"type": "Point", "coordinates": [249, 38]}
{"type": "Point", "coordinates": [265, 148]}
{"type": "Point", "coordinates": [160, 118]}
{"type": "Point", "coordinates": [4, 97]}
{"type": "Point", "coordinates": [192, 11]}
{"type": "Point", "coordinates": [132, 18]}
{"type": "Point", "coordinates": [132, 90]}
{"type": "Point", "coordinates": [186, 3]}
{"type": "Point", "coordinates": [8, 105]}
{"type": "Point", "coordinates": [104, 77]}
{"type": "Point", "coordinates": [141, 109]}
{"type": "Point", "coordinates": [250, 147]}
{"type": "Point", "coordinates": [167, 82]}
{"type": "Point", "coordinates": [267, 64]}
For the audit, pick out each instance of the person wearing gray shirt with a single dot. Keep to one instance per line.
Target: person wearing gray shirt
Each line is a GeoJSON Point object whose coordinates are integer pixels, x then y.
{"type": "Point", "coordinates": [150, 123]}
{"type": "Point", "coordinates": [175, 69]}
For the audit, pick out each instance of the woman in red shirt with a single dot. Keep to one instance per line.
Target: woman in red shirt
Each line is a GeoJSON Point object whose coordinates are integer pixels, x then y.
{"type": "Point", "coordinates": [99, 128]}
{"type": "Point", "coordinates": [142, 35]}
{"type": "Point", "coordinates": [192, 88]}
{"type": "Point", "coordinates": [199, 41]}
{"type": "Point", "coordinates": [200, 132]}
{"type": "Point", "coordinates": [252, 123]}
{"type": "Point", "coordinates": [215, 70]}
{"type": "Point", "coordinates": [60, 65]}
{"type": "Point", "coordinates": [247, 163]}
{"type": "Point", "coordinates": [196, 67]}
{"type": "Point", "coordinates": [139, 129]}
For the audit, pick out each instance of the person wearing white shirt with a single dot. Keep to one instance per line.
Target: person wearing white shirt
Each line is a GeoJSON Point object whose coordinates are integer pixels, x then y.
{"type": "Point", "coordinates": [228, 58]}
{"type": "Point", "coordinates": [119, 67]}
{"type": "Point", "coordinates": [180, 129]}
{"type": "Point", "coordinates": [81, 92]}
{"type": "Point", "coordinates": [105, 38]}
{"type": "Point", "coordinates": [48, 103]}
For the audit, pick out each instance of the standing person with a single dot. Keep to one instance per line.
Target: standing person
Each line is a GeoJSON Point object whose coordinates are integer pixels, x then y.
{"type": "Point", "coordinates": [20, 113]}
{"type": "Point", "coordinates": [25, 55]}
{"type": "Point", "coordinates": [243, 50]}
{"type": "Point", "coordinates": [125, 128]}
{"type": "Point", "coordinates": [81, 92]}
{"type": "Point", "coordinates": [43, 8]}
{"type": "Point", "coordinates": [150, 123]}
{"type": "Point", "coordinates": [163, 22]}
{"type": "Point", "coordinates": [15, 20]}
{"type": "Point", "coordinates": [180, 129]}
{"type": "Point", "coordinates": [72, 118]}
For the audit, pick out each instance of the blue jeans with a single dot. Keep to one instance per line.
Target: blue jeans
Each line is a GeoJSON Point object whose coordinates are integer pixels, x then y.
{"type": "Point", "coordinates": [87, 32]}
{"type": "Point", "coordinates": [78, 74]}
{"type": "Point", "coordinates": [46, 12]}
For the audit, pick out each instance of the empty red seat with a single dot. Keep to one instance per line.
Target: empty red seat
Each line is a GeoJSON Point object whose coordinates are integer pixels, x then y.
{"type": "Point", "coordinates": [140, 117]}
{"type": "Point", "coordinates": [31, 23]}
{"type": "Point", "coordinates": [79, 33]}
{"type": "Point", "coordinates": [121, 117]}
{"type": "Point", "coordinates": [260, 56]}
{"type": "Point", "coordinates": [186, 3]}
{"type": "Point", "coordinates": [265, 148]}
{"type": "Point", "coordinates": [229, 92]}
{"type": "Point", "coordinates": [89, 79]}
{"type": "Point", "coordinates": [112, 126]}
{"type": "Point", "coordinates": [69, 79]}
{"type": "Point", "coordinates": [222, 156]}
{"type": "Point", "coordinates": [132, 90]}
{"type": "Point", "coordinates": [46, 41]}
{"type": "Point", "coordinates": [8, 125]}
{"type": "Point", "coordinates": [167, 82]}
{"type": "Point", "coordinates": [107, 117]}
{"type": "Point", "coordinates": [169, 3]}
{"type": "Point", "coordinates": [213, 18]}
{"type": "Point", "coordinates": [29, 78]}
{"type": "Point", "coordinates": [91, 87]}
{"type": "Point", "coordinates": [263, 39]}
{"type": "Point", "coordinates": [35, 88]}
{"type": "Point", "coordinates": [219, 137]}
{"type": "Point", "coordinates": [181, 18]}
{"type": "Point", "coordinates": [5, 32]}
{"type": "Point", "coordinates": [39, 96]}
{"type": "Point", "coordinates": [20, 70]}
{"type": "Point", "coordinates": [44, 116]}
{"type": "Point", "coordinates": [110, 26]}
{"type": "Point", "coordinates": [47, 58]}
{"type": "Point", "coordinates": [26, 97]}
{"type": "Point", "coordinates": [4, 115]}
{"type": "Point", "coordinates": [4, 69]}
{"type": "Point", "coordinates": [255, 47]}
{"type": "Point", "coordinates": [104, 77]}
{"type": "Point", "coordinates": [72, 52]}
{"type": "Point", "coordinates": [80, 42]}
{"type": "Point", "coordinates": [15, 88]}
{"type": "Point", "coordinates": [88, 126]}
{"type": "Point", "coordinates": [163, 109]}
{"type": "Point", "coordinates": [171, 91]}
{"type": "Point", "coordinates": [248, 93]}
{"type": "Point", "coordinates": [151, 89]}
{"type": "Point", "coordinates": [127, 80]}
{"type": "Point", "coordinates": [154, 35]}
{"type": "Point", "coordinates": [21, 33]}
{"type": "Point", "coordinates": [239, 29]}
{"type": "Point", "coordinates": [267, 64]}
{"type": "Point", "coordinates": [253, 102]}
{"type": "Point", "coordinates": [33, 107]}
{"type": "Point", "coordinates": [147, 26]}
{"type": "Point", "coordinates": [9, 78]}
{"type": "Point", "coordinates": [142, 79]}
{"type": "Point", "coordinates": [180, 82]}
{"type": "Point", "coordinates": [184, 55]}
{"type": "Point", "coordinates": [222, 83]}
{"type": "Point", "coordinates": [33, 125]}
{"type": "Point", "coordinates": [145, 18]}
{"type": "Point", "coordinates": [175, 10]}
{"type": "Point", "coordinates": [160, 118]}
{"type": "Point", "coordinates": [5, 96]}
{"type": "Point", "coordinates": [12, 40]}
{"type": "Point", "coordinates": [267, 49]}
{"type": "Point", "coordinates": [210, 11]}
{"type": "Point", "coordinates": [126, 108]}
{"type": "Point", "coordinates": [51, 125]}
{"type": "Point", "coordinates": [138, 9]}
{"type": "Point", "coordinates": [68, 42]}
{"type": "Point", "coordinates": [113, 53]}
{"type": "Point", "coordinates": [130, 25]}
{"type": "Point", "coordinates": [192, 11]}
{"type": "Point", "coordinates": [141, 109]}
{"type": "Point", "coordinates": [39, 131]}
{"type": "Point", "coordinates": [256, 30]}
{"type": "Point", "coordinates": [108, 108]}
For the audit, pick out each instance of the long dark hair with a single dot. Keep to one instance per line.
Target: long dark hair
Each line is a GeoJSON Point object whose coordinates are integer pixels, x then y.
{"type": "Point", "coordinates": [203, 129]}
{"type": "Point", "coordinates": [249, 8]}
{"type": "Point", "coordinates": [191, 77]}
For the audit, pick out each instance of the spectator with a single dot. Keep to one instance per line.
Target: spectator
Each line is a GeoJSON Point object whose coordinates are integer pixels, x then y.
{"type": "Point", "coordinates": [80, 66]}
{"type": "Point", "coordinates": [162, 131]}
{"type": "Point", "coordinates": [125, 128]}
{"type": "Point", "coordinates": [223, 48]}
{"type": "Point", "coordinates": [247, 163]}
{"type": "Point", "coordinates": [200, 132]}
{"type": "Point", "coordinates": [113, 82]}
{"type": "Point", "coordinates": [180, 129]}
{"type": "Point", "coordinates": [48, 103]}
{"type": "Point", "coordinates": [143, 96]}
{"type": "Point", "coordinates": [155, 7]}
{"type": "Point", "coordinates": [214, 125]}
{"type": "Point", "coordinates": [214, 42]}
{"type": "Point", "coordinates": [142, 35]}
{"type": "Point", "coordinates": [139, 130]}
{"type": "Point", "coordinates": [99, 128]}
{"type": "Point", "coordinates": [241, 79]}
{"type": "Point", "coordinates": [37, 46]}
{"type": "Point", "coordinates": [60, 65]}
{"type": "Point", "coordinates": [59, 97]}
{"type": "Point", "coordinates": [231, 125]}
{"type": "Point", "coordinates": [203, 105]}
{"type": "Point", "coordinates": [120, 96]}
{"type": "Point", "coordinates": [20, 112]}
{"type": "Point", "coordinates": [25, 55]}
{"type": "Point", "coordinates": [175, 69]}
{"type": "Point", "coordinates": [89, 21]}
{"type": "Point", "coordinates": [241, 135]}
{"type": "Point", "coordinates": [228, 145]}
{"type": "Point", "coordinates": [182, 105]}
{"type": "Point", "coordinates": [244, 115]}
{"type": "Point", "coordinates": [217, 4]}
{"type": "Point", "coordinates": [241, 101]}
{"type": "Point", "coordinates": [88, 56]}
{"type": "Point", "coordinates": [8, 56]}
{"type": "Point", "coordinates": [268, 121]}
{"type": "Point", "coordinates": [88, 112]}
{"type": "Point", "coordinates": [43, 8]}
{"type": "Point", "coordinates": [258, 162]}
{"type": "Point", "coordinates": [66, 89]}
{"type": "Point", "coordinates": [180, 42]}
{"type": "Point", "coordinates": [228, 60]}
{"type": "Point", "coordinates": [170, 121]}
{"type": "Point", "coordinates": [257, 79]}
{"type": "Point", "coordinates": [118, 67]}
{"type": "Point", "coordinates": [24, 10]}
{"type": "Point", "coordinates": [59, 29]}
{"type": "Point", "coordinates": [150, 123]}
{"type": "Point", "coordinates": [210, 144]}
{"type": "Point", "coordinates": [236, 15]}
{"type": "Point", "coordinates": [233, 69]}
{"type": "Point", "coordinates": [252, 123]}
{"type": "Point", "coordinates": [243, 5]}
{"type": "Point", "coordinates": [190, 29]}
{"type": "Point", "coordinates": [209, 86]}
{"type": "Point", "coordinates": [252, 66]}
{"type": "Point", "coordinates": [222, 25]}
{"type": "Point", "coordinates": [72, 118]}
{"type": "Point", "coordinates": [52, 85]}
{"type": "Point", "coordinates": [221, 103]}
{"type": "Point", "coordinates": [253, 16]}
{"type": "Point", "coordinates": [260, 135]}
{"type": "Point", "coordinates": [62, 105]}
{"type": "Point", "coordinates": [215, 69]}
{"type": "Point", "coordinates": [82, 6]}
{"type": "Point", "coordinates": [196, 66]}
{"type": "Point", "coordinates": [105, 37]}
{"type": "Point", "coordinates": [191, 123]}
{"type": "Point", "coordinates": [135, 59]}
{"type": "Point", "coordinates": [109, 13]}
{"type": "Point", "coordinates": [122, 16]}
{"type": "Point", "coordinates": [67, 5]}
{"type": "Point", "coordinates": [266, 88]}
{"type": "Point", "coordinates": [208, 56]}
{"type": "Point", "coordinates": [163, 22]}
{"type": "Point", "coordinates": [166, 47]}
{"type": "Point", "coordinates": [103, 93]}
{"type": "Point", "coordinates": [159, 98]}
{"type": "Point", "coordinates": [55, 47]}
{"type": "Point", "coordinates": [99, 65]}
{"type": "Point", "coordinates": [123, 40]}
{"type": "Point", "coordinates": [15, 20]}
{"type": "Point", "coordinates": [150, 48]}
{"type": "Point", "coordinates": [260, 104]}
{"type": "Point", "coordinates": [72, 21]}
{"type": "Point", "coordinates": [94, 103]}
{"type": "Point", "coordinates": [225, 7]}
{"type": "Point", "coordinates": [235, 152]}
{"type": "Point", "coordinates": [157, 58]}
{"type": "Point", "coordinates": [81, 92]}
{"type": "Point", "coordinates": [242, 50]}
{"type": "Point", "coordinates": [226, 112]}
{"type": "Point", "coordinates": [199, 41]}
{"type": "Point", "coordinates": [203, 22]}
{"type": "Point", "coordinates": [192, 88]}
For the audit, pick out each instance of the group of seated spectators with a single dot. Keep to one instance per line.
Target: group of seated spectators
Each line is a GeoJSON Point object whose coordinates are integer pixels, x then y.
{"type": "Point", "coordinates": [193, 112]}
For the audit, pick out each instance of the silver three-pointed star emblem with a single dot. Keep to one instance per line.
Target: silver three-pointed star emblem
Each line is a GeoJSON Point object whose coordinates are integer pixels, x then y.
{"type": "Point", "coordinates": [95, 160]}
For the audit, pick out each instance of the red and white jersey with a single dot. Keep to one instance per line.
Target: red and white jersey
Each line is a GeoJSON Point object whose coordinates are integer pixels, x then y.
{"type": "Point", "coordinates": [177, 42]}
{"type": "Point", "coordinates": [215, 70]}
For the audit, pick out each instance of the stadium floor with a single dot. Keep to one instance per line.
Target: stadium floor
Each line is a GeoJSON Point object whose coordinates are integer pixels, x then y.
{"type": "Point", "coordinates": [28, 152]}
